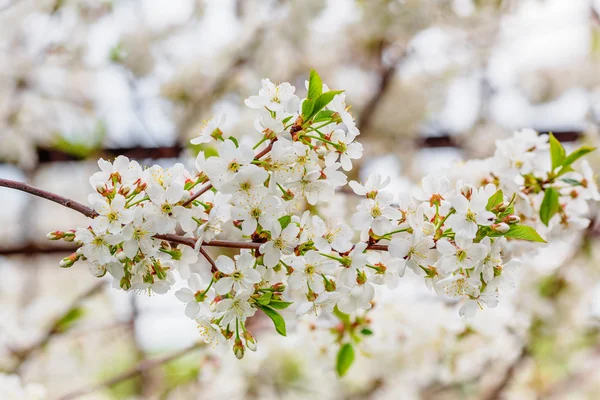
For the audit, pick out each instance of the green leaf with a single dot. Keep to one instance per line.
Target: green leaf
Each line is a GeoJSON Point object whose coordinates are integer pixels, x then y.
{"type": "Point", "coordinates": [494, 200]}
{"type": "Point", "coordinates": [322, 101]}
{"type": "Point", "coordinates": [524, 232]}
{"type": "Point", "coordinates": [572, 182]}
{"type": "Point", "coordinates": [550, 205]}
{"type": "Point", "coordinates": [323, 115]}
{"type": "Point", "coordinates": [366, 331]}
{"type": "Point", "coordinates": [307, 108]}
{"type": "Point", "coordinates": [280, 305]}
{"type": "Point", "coordinates": [287, 119]}
{"type": "Point", "coordinates": [557, 152]}
{"type": "Point", "coordinates": [234, 140]}
{"type": "Point", "coordinates": [277, 319]}
{"type": "Point", "coordinates": [265, 298]}
{"type": "Point", "coordinates": [315, 85]}
{"type": "Point", "coordinates": [345, 358]}
{"type": "Point", "coordinates": [285, 221]}
{"type": "Point", "coordinates": [577, 154]}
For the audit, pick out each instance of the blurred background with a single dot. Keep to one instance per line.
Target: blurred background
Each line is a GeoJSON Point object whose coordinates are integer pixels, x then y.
{"type": "Point", "coordinates": [431, 82]}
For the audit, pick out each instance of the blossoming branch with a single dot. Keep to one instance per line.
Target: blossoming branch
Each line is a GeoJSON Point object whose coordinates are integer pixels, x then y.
{"type": "Point", "coordinates": [147, 227]}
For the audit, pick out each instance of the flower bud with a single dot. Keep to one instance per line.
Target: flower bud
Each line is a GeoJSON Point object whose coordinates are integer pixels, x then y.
{"type": "Point", "coordinates": [500, 207]}
{"type": "Point", "coordinates": [68, 262]}
{"type": "Point", "coordinates": [121, 256]}
{"type": "Point", "coordinates": [238, 349]}
{"type": "Point", "coordinates": [512, 219]}
{"type": "Point", "coordinates": [330, 285]}
{"type": "Point", "coordinates": [501, 227]}
{"type": "Point", "coordinates": [250, 341]}
{"type": "Point", "coordinates": [69, 236]}
{"type": "Point", "coordinates": [125, 283]}
{"type": "Point", "coordinates": [55, 235]}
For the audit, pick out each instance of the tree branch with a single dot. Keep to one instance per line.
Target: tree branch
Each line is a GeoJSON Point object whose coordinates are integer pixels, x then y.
{"type": "Point", "coordinates": [63, 201]}
{"type": "Point", "coordinates": [141, 367]}
{"type": "Point", "coordinates": [167, 237]}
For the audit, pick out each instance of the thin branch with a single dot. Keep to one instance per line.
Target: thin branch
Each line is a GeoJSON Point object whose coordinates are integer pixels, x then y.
{"type": "Point", "coordinates": [214, 267]}
{"type": "Point", "coordinates": [168, 237]}
{"type": "Point", "coordinates": [63, 201]}
{"type": "Point", "coordinates": [141, 367]}
{"type": "Point", "coordinates": [55, 329]}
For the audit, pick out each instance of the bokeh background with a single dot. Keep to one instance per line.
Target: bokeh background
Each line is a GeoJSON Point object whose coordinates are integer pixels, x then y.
{"type": "Point", "coordinates": [431, 82]}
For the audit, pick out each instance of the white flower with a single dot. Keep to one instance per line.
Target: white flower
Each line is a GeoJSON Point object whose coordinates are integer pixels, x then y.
{"type": "Point", "coordinates": [492, 260]}
{"type": "Point", "coordinates": [249, 181]}
{"type": "Point", "coordinates": [182, 257]}
{"type": "Point", "coordinates": [463, 254]}
{"type": "Point", "coordinates": [112, 213]}
{"type": "Point", "coordinates": [338, 105]}
{"type": "Point", "coordinates": [457, 286]}
{"type": "Point", "coordinates": [231, 159]}
{"type": "Point", "coordinates": [346, 149]}
{"type": "Point", "coordinates": [211, 333]}
{"type": "Point", "coordinates": [164, 201]}
{"type": "Point", "coordinates": [309, 271]}
{"type": "Point", "coordinates": [282, 242]}
{"type": "Point", "coordinates": [470, 214]}
{"type": "Point", "coordinates": [211, 130]}
{"type": "Point", "coordinates": [373, 184]}
{"type": "Point", "coordinates": [356, 298]}
{"type": "Point", "coordinates": [325, 301]}
{"type": "Point", "coordinates": [253, 211]}
{"type": "Point", "coordinates": [138, 235]}
{"type": "Point", "coordinates": [188, 296]}
{"type": "Point", "coordinates": [235, 309]}
{"type": "Point", "coordinates": [129, 171]}
{"type": "Point", "coordinates": [336, 235]}
{"type": "Point", "coordinates": [241, 275]}
{"type": "Point", "coordinates": [358, 259]}
{"type": "Point", "coordinates": [268, 125]}
{"type": "Point", "coordinates": [275, 97]}
{"type": "Point", "coordinates": [432, 189]}
{"type": "Point", "coordinates": [312, 187]}
{"type": "Point", "coordinates": [96, 247]}
{"type": "Point", "coordinates": [389, 269]}
{"type": "Point", "coordinates": [376, 213]}
{"type": "Point", "coordinates": [416, 251]}
{"type": "Point", "coordinates": [159, 286]}
{"type": "Point", "coordinates": [590, 191]}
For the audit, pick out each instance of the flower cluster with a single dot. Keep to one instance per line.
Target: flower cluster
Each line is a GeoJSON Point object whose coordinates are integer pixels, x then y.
{"type": "Point", "coordinates": [150, 226]}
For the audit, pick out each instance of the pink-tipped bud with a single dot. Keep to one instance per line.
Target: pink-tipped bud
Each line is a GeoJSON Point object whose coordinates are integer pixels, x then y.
{"type": "Point", "coordinates": [55, 235]}
{"type": "Point", "coordinates": [501, 227]}
{"type": "Point", "coordinates": [68, 262]}
{"type": "Point", "coordinates": [512, 219]}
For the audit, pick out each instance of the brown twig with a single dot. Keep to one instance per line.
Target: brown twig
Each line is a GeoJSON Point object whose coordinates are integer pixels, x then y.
{"type": "Point", "coordinates": [214, 267]}
{"type": "Point", "coordinates": [63, 201]}
{"type": "Point", "coordinates": [141, 367]}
